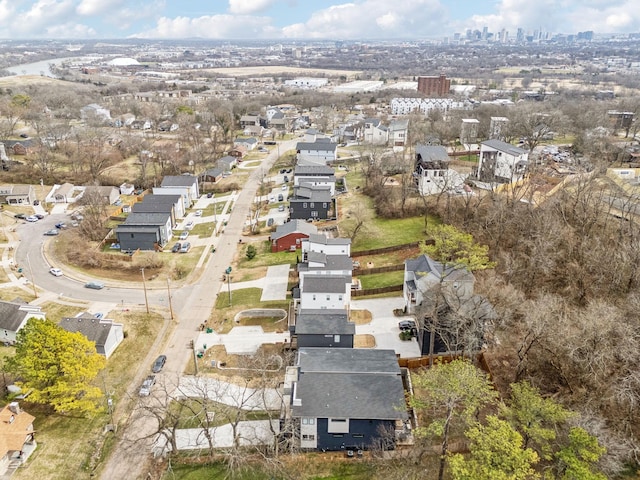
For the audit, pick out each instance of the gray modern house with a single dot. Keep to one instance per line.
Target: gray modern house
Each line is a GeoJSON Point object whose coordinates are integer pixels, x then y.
{"type": "Point", "coordinates": [310, 202]}
{"type": "Point", "coordinates": [345, 399]}
{"type": "Point", "coordinates": [145, 231]}
{"type": "Point", "coordinates": [323, 328]}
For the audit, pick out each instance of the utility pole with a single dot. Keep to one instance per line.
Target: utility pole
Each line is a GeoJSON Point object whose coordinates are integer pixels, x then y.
{"type": "Point", "coordinates": [144, 286]}
{"type": "Point", "coordinates": [33, 279]}
{"type": "Point", "coordinates": [169, 296]}
{"type": "Point", "coordinates": [228, 272]}
{"type": "Point", "coordinates": [195, 356]}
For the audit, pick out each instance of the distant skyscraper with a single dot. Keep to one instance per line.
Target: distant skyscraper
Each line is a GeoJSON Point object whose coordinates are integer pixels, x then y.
{"type": "Point", "coordinates": [434, 86]}
{"type": "Point", "coordinates": [485, 32]}
{"type": "Point", "coordinates": [520, 35]}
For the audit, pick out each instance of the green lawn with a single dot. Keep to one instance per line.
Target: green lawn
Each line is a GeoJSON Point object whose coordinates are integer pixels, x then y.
{"type": "Point", "coordinates": [57, 312]}
{"type": "Point", "coordinates": [203, 229]}
{"type": "Point", "coordinates": [264, 257]}
{"type": "Point", "coordinates": [379, 280]}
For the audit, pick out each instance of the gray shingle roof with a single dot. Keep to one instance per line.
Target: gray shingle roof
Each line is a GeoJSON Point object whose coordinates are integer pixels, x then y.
{"type": "Point", "coordinates": [293, 226]}
{"type": "Point", "coordinates": [504, 147]}
{"type": "Point", "coordinates": [424, 264]}
{"type": "Point", "coordinates": [178, 181]}
{"type": "Point", "coordinates": [432, 153]}
{"type": "Point", "coordinates": [325, 284]}
{"type": "Point", "coordinates": [147, 218]}
{"type": "Point", "coordinates": [151, 197]}
{"type": "Point", "coordinates": [322, 239]}
{"type": "Point", "coordinates": [328, 321]}
{"type": "Point", "coordinates": [313, 170]}
{"type": "Point", "coordinates": [329, 262]}
{"type": "Point", "coordinates": [312, 193]}
{"type": "Point", "coordinates": [94, 329]}
{"type": "Point", "coordinates": [152, 207]}
{"type": "Point", "coordinates": [349, 383]}
{"type": "Point", "coordinates": [317, 146]}
{"type": "Point", "coordinates": [11, 316]}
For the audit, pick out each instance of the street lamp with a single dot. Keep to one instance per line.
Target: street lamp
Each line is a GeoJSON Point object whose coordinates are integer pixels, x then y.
{"type": "Point", "coordinates": [228, 272]}
{"type": "Point", "coordinates": [169, 295]}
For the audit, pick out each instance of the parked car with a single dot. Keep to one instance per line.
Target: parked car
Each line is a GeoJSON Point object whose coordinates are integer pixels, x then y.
{"type": "Point", "coordinates": [39, 216]}
{"type": "Point", "coordinates": [52, 232]}
{"type": "Point", "coordinates": [61, 225]}
{"type": "Point", "coordinates": [98, 315]}
{"type": "Point", "coordinates": [32, 218]}
{"type": "Point", "coordinates": [145, 389]}
{"type": "Point", "coordinates": [176, 247]}
{"type": "Point", "coordinates": [186, 246]}
{"type": "Point", "coordinates": [188, 226]}
{"type": "Point", "coordinates": [184, 235]}
{"type": "Point", "coordinates": [270, 222]}
{"type": "Point", "coordinates": [209, 195]}
{"type": "Point", "coordinates": [117, 203]}
{"type": "Point", "coordinates": [94, 285]}
{"type": "Point", "coordinates": [284, 187]}
{"type": "Point", "coordinates": [286, 179]}
{"type": "Point", "coordinates": [405, 325]}
{"type": "Point", "coordinates": [159, 363]}
{"type": "Point", "coordinates": [281, 208]}
{"type": "Point", "coordinates": [36, 202]}
{"type": "Point", "coordinates": [56, 272]}
{"type": "Point", "coordinates": [198, 213]}
{"type": "Point", "coordinates": [280, 197]}
{"type": "Point", "coordinates": [20, 216]}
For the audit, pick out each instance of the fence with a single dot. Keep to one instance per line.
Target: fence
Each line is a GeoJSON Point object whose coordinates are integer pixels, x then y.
{"type": "Point", "coordinates": [371, 271]}
{"type": "Point", "coordinates": [393, 248]}
{"type": "Point", "coordinates": [424, 361]}
{"type": "Point", "coordinates": [376, 291]}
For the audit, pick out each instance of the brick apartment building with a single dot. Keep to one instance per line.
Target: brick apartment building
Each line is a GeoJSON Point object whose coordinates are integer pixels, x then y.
{"type": "Point", "coordinates": [434, 86]}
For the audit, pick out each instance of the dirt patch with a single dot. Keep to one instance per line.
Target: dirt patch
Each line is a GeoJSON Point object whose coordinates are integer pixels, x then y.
{"type": "Point", "coordinates": [360, 317]}
{"type": "Point", "coordinates": [364, 341]}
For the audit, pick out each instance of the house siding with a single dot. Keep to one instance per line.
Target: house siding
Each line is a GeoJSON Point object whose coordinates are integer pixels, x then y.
{"type": "Point", "coordinates": [307, 340]}
{"type": "Point", "coordinates": [363, 434]}
{"type": "Point", "coordinates": [141, 240]}
{"type": "Point", "coordinates": [297, 210]}
{"type": "Point", "coordinates": [285, 243]}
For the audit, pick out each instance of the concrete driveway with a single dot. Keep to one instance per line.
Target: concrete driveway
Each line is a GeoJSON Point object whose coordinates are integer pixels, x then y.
{"type": "Point", "coordinates": [384, 325]}
{"type": "Point", "coordinates": [241, 340]}
{"type": "Point", "coordinates": [275, 283]}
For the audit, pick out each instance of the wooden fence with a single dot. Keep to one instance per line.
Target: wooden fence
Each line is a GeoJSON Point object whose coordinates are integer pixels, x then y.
{"type": "Point", "coordinates": [376, 291]}
{"type": "Point", "coordinates": [370, 271]}
{"type": "Point", "coordinates": [423, 361]}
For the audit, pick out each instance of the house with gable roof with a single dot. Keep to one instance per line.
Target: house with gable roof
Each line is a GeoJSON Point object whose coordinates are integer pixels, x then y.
{"type": "Point", "coordinates": [320, 152]}
{"type": "Point", "coordinates": [105, 333]}
{"type": "Point", "coordinates": [501, 162]}
{"type": "Point", "coordinates": [310, 201]}
{"type": "Point", "coordinates": [323, 328]}
{"type": "Point", "coordinates": [432, 173]}
{"type": "Point", "coordinates": [375, 132]}
{"type": "Point", "coordinates": [17, 437]}
{"type": "Point", "coordinates": [289, 236]}
{"type": "Point", "coordinates": [345, 399]}
{"type": "Point", "coordinates": [13, 317]}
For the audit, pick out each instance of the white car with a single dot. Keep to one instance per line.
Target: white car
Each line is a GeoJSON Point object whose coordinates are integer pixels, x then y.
{"type": "Point", "coordinates": [188, 226]}
{"type": "Point", "coordinates": [56, 272]}
{"type": "Point", "coordinates": [31, 218]}
{"type": "Point", "coordinates": [184, 235]}
{"type": "Point", "coordinates": [198, 213]}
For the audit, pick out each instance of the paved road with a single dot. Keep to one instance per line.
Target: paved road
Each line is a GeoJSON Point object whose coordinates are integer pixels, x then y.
{"type": "Point", "coordinates": [192, 306]}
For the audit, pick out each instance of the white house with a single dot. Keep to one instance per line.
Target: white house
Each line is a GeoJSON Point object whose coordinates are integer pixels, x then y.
{"type": "Point", "coordinates": [316, 175]}
{"type": "Point", "coordinates": [106, 334]}
{"type": "Point", "coordinates": [432, 172]}
{"type": "Point", "coordinates": [249, 143]}
{"type": "Point", "coordinates": [322, 264]}
{"type": "Point", "coordinates": [398, 132]}
{"type": "Point", "coordinates": [325, 291]}
{"type": "Point", "coordinates": [319, 242]}
{"type": "Point", "coordinates": [501, 162]}
{"type": "Point", "coordinates": [320, 152]}
{"type": "Point", "coordinates": [375, 132]}
{"type": "Point", "coordinates": [13, 317]}
{"type": "Point", "coordinates": [184, 185]}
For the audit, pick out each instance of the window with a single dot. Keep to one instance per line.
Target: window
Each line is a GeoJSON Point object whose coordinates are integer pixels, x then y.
{"type": "Point", "coordinates": [328, 297]}
{"type": "Point", "coordinates": [314, 297]}
{"type": "Point", "coordinates": [314, 214]}
{"type": "Point", "coordinates": [336, 338]}
{"type": "Point", "coordinates": [358, 435]}
{"type": "Point", "coordinates": [324, 205]}
{"type": "Point", "coordinates": [313, 205]}
{"type": "Point", "coordinates": [304, 205]}
{"type": "Point", "coordinates": [340, 297]}
{"type": "Point", "coordinates": [308, 437]}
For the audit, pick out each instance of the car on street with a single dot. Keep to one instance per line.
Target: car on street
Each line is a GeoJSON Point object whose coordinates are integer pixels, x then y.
{"type": "Point", "coordinates": [61, 225]}
{"type": "Point", "coordinates": [94, 285]}
{"type": "Point", "coordinates": [32, 218]}
{"type": "Point", "coordinates": [159, 363]}
{"type": "Point", "coordinates": [176, 247]}
{"type": "Point", "coordinates": [281, 208]}
{"type": "Point", "coordinates": [56, 272]}
{"type": "Point", "coordinates": [98, 315]}
{"type": "Point", "coordinates": [198, 213]}
{"type": "Point", "coordinates": [285, 179]}
{"type": "Point", "coordinates": [209, 195]}
{"type": "Point", "coordinates": [186, 246]}
{"type": "Point", "coordinates": [147, 385]}
{"type": "Point", "coordinates": [270, 222]}
{"type": "Point", "coordinates": [39, 216]}
{"type": "Point", "coordinates": [188, 226]}
{"type": "Point", "coordinates": [52, 232]}
{"type": "Point", "coordinates": [184, 235]}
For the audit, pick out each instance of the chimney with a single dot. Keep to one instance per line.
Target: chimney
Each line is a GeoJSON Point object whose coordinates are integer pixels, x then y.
{"type": "Point", "coordinates": [14, 407]}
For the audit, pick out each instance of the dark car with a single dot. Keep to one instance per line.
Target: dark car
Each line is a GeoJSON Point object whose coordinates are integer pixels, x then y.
{"type": "Point", "coordinates": [39, 216]}
{"type": "Point", "coordinates": [159, 363]}
{"type": "Point", "coordinates": [280, 197]}
{"type": "Point", "coordinates": [270, 222]}
{"type": "Point", "coordinates": [209, 195]}
{"type": "Point", "coordinates": [94, 285]}
{"type": "Point", "coordinates": [176, 248]}
{"type": "Point", "coordinates": [406, 325]}
{"type": "Point", "coordinates": [20, 216]}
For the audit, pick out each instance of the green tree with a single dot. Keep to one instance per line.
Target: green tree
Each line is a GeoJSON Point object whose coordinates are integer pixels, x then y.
{"type": "Point", "coordinates": [251, 252]}
{"type": "Point", "coordinates": [57, 366]}
{"type": "Point", "coordinates": [496, 453]}
{"type": "Point", "coordinates": [451, 393]}
{"type": "Point", "coordinates": [453, 247]}
{"type": "Point", "coordinates": [535, 417]}
{"type": "Point", "coordinates": [577, 460]}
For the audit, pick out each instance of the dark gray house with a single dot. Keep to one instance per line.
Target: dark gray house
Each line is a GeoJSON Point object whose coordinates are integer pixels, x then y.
{"type": "Point", "coordinates": [145, 231]}
{"type": "Point", "coordinates": [323, 328]}
{"type": "Point", "coordinates": [152, 206]}
{"type": "Point", "coordinates": [309, 201]}
{"type": "Point", "coordinates": [346, 398]}
{"type": "Point", "coordinates": [174, 200]}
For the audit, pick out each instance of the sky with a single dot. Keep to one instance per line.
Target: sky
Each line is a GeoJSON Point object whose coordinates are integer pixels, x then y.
{"type": "Point", "coordinates": [306, 19]}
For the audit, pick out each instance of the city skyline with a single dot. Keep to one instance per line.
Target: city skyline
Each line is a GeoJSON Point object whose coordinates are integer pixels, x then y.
{"type": "Point", "coordinates": [297, 19]}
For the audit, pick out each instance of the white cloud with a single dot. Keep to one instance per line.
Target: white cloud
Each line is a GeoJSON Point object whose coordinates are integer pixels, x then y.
{"type": "Point", "coordinates": [214, 26]}
{"type": "Point", "coordinates": [373, 19]}
{"type": "Point", "coordinates": [70, 30]}
{"type": "Point", "coordinates": [97, 7]}
{"type": "Point", "coordinates": [42, 15]}
{"type": "Point", "coordinates": [248, 7]}
{"type": "Point", "coordinates": [6, 10]}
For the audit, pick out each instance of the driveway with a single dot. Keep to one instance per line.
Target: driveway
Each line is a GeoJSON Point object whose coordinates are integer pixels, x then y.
{"type": "Point", "coordinates": [384, 325]}
{"type": "Point", "coordinates": [275, 283]}
{"type": "Point", "coordinates": [243, 398]}
{"type": "Point", "coordinates": [241, 340]}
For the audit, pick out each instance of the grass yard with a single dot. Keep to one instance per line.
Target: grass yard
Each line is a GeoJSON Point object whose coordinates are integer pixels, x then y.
{"type": "Point", "coordinates": [203, 229]}
{"type": "Point", "coordinates": [192, 415]}
{"type": "Point", "coordinates": [221, 318]}
{"type": "Point", "coordinates": [379, 280]}
{"type": "Point", "coordinates": [264, 257]}
{"type": "Point", "coordinates": [383, 232]}
{"type": "Point", "coordinates": [11, 293]}
{"type": "Point", "coordinates": [57, 311]}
